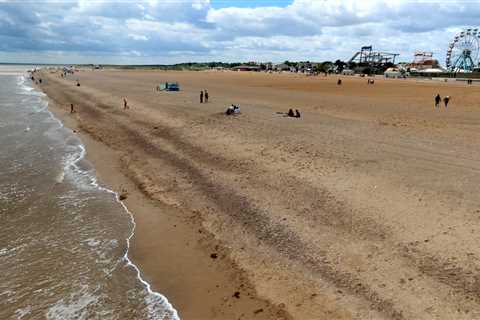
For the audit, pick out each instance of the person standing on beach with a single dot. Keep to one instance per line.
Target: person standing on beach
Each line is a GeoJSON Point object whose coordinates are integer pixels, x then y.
{"type": "Point", "coordinates": [437, 100]}
{"type": "Point", "coordinates": [446, 100]}
{"type": "Point", "coordinates": [206, 96]}
{"type": "Point", "coordinates": [201, 96]}
{"type": "Point", "coordinates": [72, 109]}
{"type": "Point", "coordinates": [125, 104]}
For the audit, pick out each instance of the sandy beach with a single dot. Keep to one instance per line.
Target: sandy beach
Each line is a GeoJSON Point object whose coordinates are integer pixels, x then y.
{"type": "Point", "coordinates": [364, 208]}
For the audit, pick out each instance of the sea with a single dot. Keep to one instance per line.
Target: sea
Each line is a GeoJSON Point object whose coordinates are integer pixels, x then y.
{"type": "Point", "coordinates": [64, 238]}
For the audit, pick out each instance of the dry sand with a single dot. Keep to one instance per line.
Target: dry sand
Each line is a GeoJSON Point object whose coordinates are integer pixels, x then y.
{"type": "Point", "coordinates": [365, 208]}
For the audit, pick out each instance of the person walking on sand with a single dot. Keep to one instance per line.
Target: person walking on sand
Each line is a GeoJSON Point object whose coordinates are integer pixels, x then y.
{"type": "Point", "coordinates": [201, 96]}
{"type": "Point", "coordinates": [206, 96]}
{"type": "Point", "coordinates": [446, 100]}
{"type": "Point", "coordinates": [72, 109]}
{"type": "Point", "coordinates": [437, 100]}
{"type": "Point", "coordinates": [125, 104]}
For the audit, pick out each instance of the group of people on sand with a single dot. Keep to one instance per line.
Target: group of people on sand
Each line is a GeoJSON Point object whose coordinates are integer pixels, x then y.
{"type": "Point", "coordinates": [204, 96]}
{"type": "Point", "coordinates": [438, 99]}
{"type": "Point", "coordinates": [231, 110]}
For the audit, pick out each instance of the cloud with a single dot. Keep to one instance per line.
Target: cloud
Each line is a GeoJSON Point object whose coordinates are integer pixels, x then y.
{"type": "Point", "coordinates": [154, 31]}
{"type": "Point", "coordinates": [267, 21]}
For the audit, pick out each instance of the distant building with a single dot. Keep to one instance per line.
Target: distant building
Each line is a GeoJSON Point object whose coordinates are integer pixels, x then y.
{"type": "Point", "coordinates": [282, 67]}
{"type": "Point", "coordinates": [432, 70]}
{"type": "Point", "coordinates": [247, 68]}
{"type": "Point", "coordinates": [306, 67]}
{"type": "Point", "coordinates": [423, 60]}
{"type": "Point", "coordinates": [392, 73]}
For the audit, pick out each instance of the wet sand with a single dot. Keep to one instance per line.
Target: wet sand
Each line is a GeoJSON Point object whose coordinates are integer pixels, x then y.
{"type": "Point", "coordinates": [364, 208]}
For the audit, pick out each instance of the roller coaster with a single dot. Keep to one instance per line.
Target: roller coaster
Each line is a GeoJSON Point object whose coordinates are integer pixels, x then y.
{"type": "Point", "coordinates": [366, 57]}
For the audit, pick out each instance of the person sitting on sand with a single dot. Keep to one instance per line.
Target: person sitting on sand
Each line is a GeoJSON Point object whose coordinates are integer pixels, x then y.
{"type": "Point", "coordinates": [233, 109]}
{"type": "Point", "coordinates": [437, 100]}
{"type": "Point", "coordinates": [446, 100]}
{"type": "Point", "coordinates": [72, 109]}
{"type": "Point", "coordinates": [290, 113]}
{"type": "Point", "coordinates": [297, 113]}
{"type": "Point", "coordinates": [125, 104]}
{"type": "Point", "coordinates": [339, 82]}
{"type": "Point", "coordinates": [78, 84]}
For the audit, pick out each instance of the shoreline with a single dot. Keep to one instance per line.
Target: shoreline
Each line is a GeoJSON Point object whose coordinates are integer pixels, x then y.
{"type": "Point", "coordinates": [99, 183]}
{"type": "Point", "coordinates": [166, 249]}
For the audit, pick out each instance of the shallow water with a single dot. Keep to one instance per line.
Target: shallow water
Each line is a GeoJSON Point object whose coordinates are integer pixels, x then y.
{"type": "Point", "coordinates": [64, 238]}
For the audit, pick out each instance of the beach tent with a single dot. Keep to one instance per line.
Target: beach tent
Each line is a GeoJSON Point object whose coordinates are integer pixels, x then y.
{"type": "Point", "coordinates": [169, 86]}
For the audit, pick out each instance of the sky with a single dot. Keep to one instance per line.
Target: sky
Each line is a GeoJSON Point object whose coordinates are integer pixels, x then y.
{"type": "Point", "coordinates": [173, 31]}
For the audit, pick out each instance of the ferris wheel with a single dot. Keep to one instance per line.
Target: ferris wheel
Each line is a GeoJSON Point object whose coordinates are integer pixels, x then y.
{"type": "Point", "coordinates": [464, 51]}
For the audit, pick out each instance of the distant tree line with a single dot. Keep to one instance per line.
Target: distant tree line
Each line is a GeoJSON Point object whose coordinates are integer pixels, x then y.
{"type": "Point", "coordinates": [319, 67]}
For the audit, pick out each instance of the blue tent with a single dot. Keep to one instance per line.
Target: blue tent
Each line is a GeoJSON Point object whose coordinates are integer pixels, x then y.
{"type": "Point", "coordinates": [169, 86]}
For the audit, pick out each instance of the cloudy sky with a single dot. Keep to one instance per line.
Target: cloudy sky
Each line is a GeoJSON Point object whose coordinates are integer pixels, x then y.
{"type": "Point", "coordinates": [170, 31]}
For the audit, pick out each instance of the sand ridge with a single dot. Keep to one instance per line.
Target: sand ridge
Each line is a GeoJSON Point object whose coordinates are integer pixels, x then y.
{"type": "Point", "coordinates": [362, 209]}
